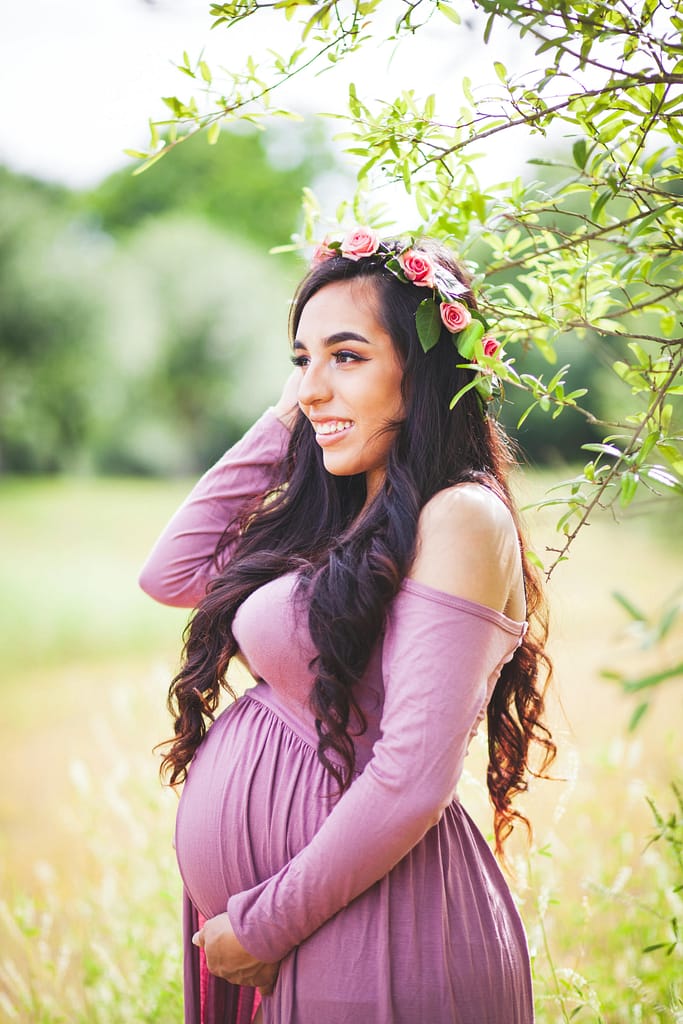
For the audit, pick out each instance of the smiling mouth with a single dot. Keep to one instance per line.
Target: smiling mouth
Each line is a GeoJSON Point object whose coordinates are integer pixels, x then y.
{"type": "Point", "coordinates": [332, 427]}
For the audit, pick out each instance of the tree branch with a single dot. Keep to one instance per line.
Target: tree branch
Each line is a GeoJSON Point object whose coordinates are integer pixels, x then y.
{"type": "Point", "coordinates": [616, 467]}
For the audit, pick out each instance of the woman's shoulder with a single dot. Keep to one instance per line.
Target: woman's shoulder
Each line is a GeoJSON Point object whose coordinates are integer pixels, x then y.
{"type": "Point", "coordinates": [470, 508]}
{"type": "Point", "coordinates": [468, 545]}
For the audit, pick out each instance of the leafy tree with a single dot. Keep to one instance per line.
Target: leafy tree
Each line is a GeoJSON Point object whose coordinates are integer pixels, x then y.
{"type": "Point", "coordinates": [193, 348]}
{"type": "Point", "coordinates": [239, 185]}
{"type": "Point", "coordinates": [49, 328]}
{"type": "Point", "coordinates": [596, 248]}
{"type": "Point", "coordinates": [132, 315]}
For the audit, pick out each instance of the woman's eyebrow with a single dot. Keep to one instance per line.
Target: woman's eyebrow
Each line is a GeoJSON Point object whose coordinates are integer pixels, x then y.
{"type": "Point", "coordinates": [334, 339]}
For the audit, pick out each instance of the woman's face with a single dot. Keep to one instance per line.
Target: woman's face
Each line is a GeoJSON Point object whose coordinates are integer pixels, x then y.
{"type": "Point", "coordinates": [351, 374]}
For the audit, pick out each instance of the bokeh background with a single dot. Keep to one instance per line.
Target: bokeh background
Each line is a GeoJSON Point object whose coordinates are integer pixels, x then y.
{"type": "Point", "coordinates": [142, 328]}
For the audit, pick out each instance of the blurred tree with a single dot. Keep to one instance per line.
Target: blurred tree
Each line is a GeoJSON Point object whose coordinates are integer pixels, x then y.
{"type": "Point", "coordinates": [134, 335]}
{"type": "Point", "coordinates": [248, 182]}
{"type": "Point", "coordinates": [50, 338]}
{"type": "Point", "coordinates": [195, 350]}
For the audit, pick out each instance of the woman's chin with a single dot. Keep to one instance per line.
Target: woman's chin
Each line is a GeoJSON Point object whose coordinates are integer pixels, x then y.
{"type": "Point", "coordinates": [340, 467]}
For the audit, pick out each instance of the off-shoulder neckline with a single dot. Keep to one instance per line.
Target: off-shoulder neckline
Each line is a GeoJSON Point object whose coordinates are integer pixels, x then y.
{"type": "Point", "coordinates": [419, 589]}
{"type": "Point", "coordinates": [424, 590]}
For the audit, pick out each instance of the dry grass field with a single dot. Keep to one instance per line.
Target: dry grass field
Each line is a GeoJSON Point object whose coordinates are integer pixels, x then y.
{"type": "Point", "coordinates": [88, 906]}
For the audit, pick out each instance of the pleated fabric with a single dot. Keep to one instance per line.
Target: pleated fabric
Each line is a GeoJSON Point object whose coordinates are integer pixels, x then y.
{"type": "Point", "coordinates": [437, 940]}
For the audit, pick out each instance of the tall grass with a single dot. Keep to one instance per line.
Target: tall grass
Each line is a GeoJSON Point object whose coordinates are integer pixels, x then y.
{"type": "Point", "coordinates": [91, 935]}
{"type": "Point", "coordinates": [599, 940]}
{"type": "Point", "coordinates": [89, 912]}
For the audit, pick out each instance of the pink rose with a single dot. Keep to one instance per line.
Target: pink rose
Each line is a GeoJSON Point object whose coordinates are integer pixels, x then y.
{"type": "Point", "coordinates": [417, 267]}
{"type": "Point", "coordinates": [490, 345]}
{"type": "Point", "coordinates": [359, 243]}
{"type": "Point", "coordinates": [321, 253]}
{"type": "Point", "coordinates": [455, 316]}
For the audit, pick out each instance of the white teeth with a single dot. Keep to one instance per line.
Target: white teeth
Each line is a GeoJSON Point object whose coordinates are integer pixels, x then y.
{"type": "Point", "coordinates": [333, 426]}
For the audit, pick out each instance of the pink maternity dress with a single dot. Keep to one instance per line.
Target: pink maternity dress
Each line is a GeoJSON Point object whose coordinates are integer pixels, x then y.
{"type": "Point", "coordinates": [385, 906]}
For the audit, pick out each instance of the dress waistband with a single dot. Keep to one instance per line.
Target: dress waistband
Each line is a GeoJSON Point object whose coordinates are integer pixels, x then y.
{"type": "Point", "coordinates": [302, 725]}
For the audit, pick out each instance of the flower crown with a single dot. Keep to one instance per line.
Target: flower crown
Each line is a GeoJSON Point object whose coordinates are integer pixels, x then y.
{"type": "Point", "coordinates": [479, 349]}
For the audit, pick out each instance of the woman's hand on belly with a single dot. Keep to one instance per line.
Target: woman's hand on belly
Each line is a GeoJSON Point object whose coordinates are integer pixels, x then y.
{"type": "Point", "coordinates": [227, 959]}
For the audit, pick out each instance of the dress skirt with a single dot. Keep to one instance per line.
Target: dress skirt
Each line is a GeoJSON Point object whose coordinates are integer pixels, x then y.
{"type": "Point", "coordinates": [436, 941]}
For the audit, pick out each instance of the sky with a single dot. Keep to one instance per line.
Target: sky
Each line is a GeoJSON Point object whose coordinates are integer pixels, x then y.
{"type": "Point", "coordinates": [80, 78]}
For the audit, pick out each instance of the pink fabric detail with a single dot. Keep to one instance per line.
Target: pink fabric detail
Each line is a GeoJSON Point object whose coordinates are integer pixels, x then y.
{"type": "Point", "coordinates": [244, 993]}
{"type": "Point", "coordinates": [257, 1003]}
{"type": "Point", "coordinates": [203, 975]}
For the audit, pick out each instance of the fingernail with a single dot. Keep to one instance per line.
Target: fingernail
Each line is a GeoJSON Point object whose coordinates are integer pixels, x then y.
{"type": "Point", "coordinates": [195, 939]}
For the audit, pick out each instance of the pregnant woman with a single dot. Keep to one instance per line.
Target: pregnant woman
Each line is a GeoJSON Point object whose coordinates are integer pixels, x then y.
{"type": "Point", "coordinates": [359, 551]}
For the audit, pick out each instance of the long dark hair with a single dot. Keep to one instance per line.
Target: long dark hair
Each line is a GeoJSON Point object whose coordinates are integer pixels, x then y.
{"type": "Point", "coordinates": [352, 566]}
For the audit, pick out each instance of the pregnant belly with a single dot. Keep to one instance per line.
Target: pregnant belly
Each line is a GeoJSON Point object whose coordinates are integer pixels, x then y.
{"type": "Point", "coordinates": [255, 795]}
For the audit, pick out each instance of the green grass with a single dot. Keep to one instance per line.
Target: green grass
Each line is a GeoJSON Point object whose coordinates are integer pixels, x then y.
{"type": "Point", "coordinates": [70, 553]}
{"type": "Point", "coordinates": [89, 925]}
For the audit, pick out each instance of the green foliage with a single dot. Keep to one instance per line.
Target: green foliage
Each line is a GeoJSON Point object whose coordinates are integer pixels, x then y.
{"type": "Point", "coordinates": [670, 834]}
{"type": "Point", "coordinates": [615, 959]}
{"type": "Point", "coordinates": [657, 636]}
{"type": "Point", "coordinates": [233, 185]}
{"type": "Point", "coordinates": [195, 349]}
{"type": "Point", "coordinates": [48, 322]}
{"type": "Point", "coordinates": [595, 247]}
{"type": "Point", "coordinates": [133, 332]}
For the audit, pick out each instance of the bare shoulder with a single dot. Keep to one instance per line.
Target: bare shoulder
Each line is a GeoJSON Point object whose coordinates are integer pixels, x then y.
{"type": "Point", "coordinates": [467, 545]}
{"type": "Point", "coordinates": [467, 506]}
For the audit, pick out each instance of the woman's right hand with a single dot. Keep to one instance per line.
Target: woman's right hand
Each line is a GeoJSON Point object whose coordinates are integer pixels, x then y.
{"type": "Point", "coordinates": [228, 959]}
{"type": "Point", "coordinates": [287, 406]}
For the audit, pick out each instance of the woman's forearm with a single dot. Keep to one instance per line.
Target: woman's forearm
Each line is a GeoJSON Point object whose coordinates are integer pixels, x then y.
{"type": "Point", "coordinates": [182, 561]}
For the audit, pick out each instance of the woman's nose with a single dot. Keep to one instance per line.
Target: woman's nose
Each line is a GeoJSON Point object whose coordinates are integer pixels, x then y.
{"type": "Point", "coordinates": [315, 385]}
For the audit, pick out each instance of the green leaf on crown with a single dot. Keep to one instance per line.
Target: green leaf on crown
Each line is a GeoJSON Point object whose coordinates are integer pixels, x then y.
{"type": "Point", "coordinates": [428, 323]}
{"type": "Point", "coordinates": [476, 315]}
{"type": "Point", "coordinates": [466, 341]}
{"type": "Point", "coordinates": [463, 391]}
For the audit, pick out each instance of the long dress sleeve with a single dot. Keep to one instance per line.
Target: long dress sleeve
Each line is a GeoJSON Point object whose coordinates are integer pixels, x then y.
{"type": "Point", "coordinates": [441, 657]}
{"type": "Point", "coordinates": [182, 561]}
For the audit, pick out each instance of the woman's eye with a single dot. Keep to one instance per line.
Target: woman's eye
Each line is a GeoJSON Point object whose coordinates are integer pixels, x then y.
{"type": "Point", "coordinates": [339, 358]}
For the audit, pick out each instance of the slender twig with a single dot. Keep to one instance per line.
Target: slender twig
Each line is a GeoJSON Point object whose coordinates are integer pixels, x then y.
{"type": "Point", "coordinates": [643, 135]}
{"type": "Point", "coordinates": [571, 240]}
{"type": "Point", "coordinates": [616, 467]}
{"type": "Point", "coordinates": [538, 114]}
{"type": "Point", "coordinates": [646, 303]}
{"type": "Point", "coordinates": [209, 119]}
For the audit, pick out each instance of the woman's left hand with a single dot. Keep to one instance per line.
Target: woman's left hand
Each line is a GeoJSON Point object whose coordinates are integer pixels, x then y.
{"type": "Point", "coordinates": [227, 959]}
